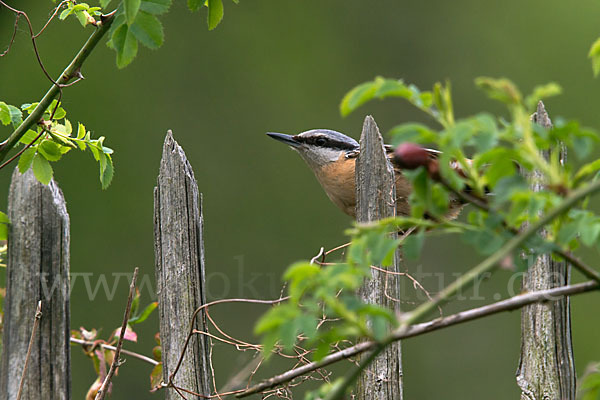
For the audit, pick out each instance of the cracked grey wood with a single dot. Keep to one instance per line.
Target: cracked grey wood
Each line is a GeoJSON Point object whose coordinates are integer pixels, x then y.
{"type": "Point", "coordinates": [376, 194]}
{"type": "Point", "coordinates": [546, 367]}
{"type": "Point", "coordinates": [37, 269]}
{"type": "Point", "coordinates": [179, 253]}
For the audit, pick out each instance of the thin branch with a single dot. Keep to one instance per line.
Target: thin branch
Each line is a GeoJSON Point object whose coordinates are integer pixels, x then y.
{"type": "Point", "coordinates": [12, 39]}
{"type": "Point", "coordinates": [116, 361]}
{"type": "Point", "coordinates": [33, 36]}
{"type": "Point", "coordinates": [23, 149]}
{"type": "Point", "coordinates": [113, 348]}
{"type": "Point", "coordinates": [51, 17]}
{"type": "Point", "coordinates": [422, 328]}
{"type": "Point", "coordinates": [36, 322]}
{"type": "Point", "coordinates": [68, 74]}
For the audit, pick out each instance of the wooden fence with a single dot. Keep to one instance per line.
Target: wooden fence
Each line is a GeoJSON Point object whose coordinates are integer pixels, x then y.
{"type": "Point", "coordinates": [38, 271]}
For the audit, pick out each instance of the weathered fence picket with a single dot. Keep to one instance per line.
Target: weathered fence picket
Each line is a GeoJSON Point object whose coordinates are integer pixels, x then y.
{"type": "Point", "coordinates": [37, 270]}
{"type": "Point", "coordinates": [179, 253]}
{"type": "Point", "coordinates": [376, 194]}
{"type": "Point", "coordinates": [546, 367]}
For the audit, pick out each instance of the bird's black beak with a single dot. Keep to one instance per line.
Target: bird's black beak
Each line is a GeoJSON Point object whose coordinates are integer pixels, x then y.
{"type": "Point", "coordinates": [287, 139]}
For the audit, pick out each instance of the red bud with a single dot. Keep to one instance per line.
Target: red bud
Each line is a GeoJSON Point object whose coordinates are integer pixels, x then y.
{"type": "Point", "coordinates": [411, 156]}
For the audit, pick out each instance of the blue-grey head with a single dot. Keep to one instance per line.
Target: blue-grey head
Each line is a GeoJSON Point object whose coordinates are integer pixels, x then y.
{"type": "Point", "coordinates": [318, 146]}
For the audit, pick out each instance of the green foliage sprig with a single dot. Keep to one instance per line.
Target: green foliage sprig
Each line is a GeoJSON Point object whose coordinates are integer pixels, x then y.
{"type": "Point", "coordinates": [53, 137]}
{"type": "Point", "coordinates": [490, 160]}
{"type": "Point", "coordinates": [500, 149]}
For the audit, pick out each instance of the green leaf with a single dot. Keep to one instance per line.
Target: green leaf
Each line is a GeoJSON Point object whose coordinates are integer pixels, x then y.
{"type": "Point", "coordinates": [589, 233]}
{"type": "Point", "coordinates": [215, 13]}
{"type": "Point", "coordinates": [49, 150]}
{"type": "Point", "coordinates": [307, 325]}
{"type": "Point", "coordinates": [26, 159]}
{"type": "Point", "coordinates": [276, 317]}
{"type": "Point", "coordinates": [42, 169]}
{"type": "Point", "coordinates": [145, 314]}
{"type": "Point", "coordinates": [194, 5]}
{"type": "Point", "coordinates": [82, 17]}
{"type": "Point", "coordinates": [106, 170]}
{"type": "Point", "coordinates": [29, 137]}
{"type": "Point", "coordinates": [541, 92]}
{"type": "Point", "coordinates": [16, 116]}
{"type": "Point", "coordinates": [413, 245]}
{"type": "Point", "coordinates": [379, 327]}
{"type": "Point", "coordinates": [357, 97]}
{"type": "Point", "coordinates": [594, 54]}
{"type": "Point", "coordinates": [485, 241]}
{"type": "Point", "coordinates": [412, 132]}
{"type": "Point", "coordinates": [155, 7]}
{"type": "Point", "coordinates": [80, 131]}
{"type": "Point", "coordinates": [268, 343]}
{"type": "Point", "coordinates": [125, 44]}
{"type": "Point", "coordinates": [3, 226]}
{"type": "Point", "coordinates": [156, 376]}
{"type": "Point", "coordinates": [135, 303]}
{"type": "Point", "coordinates": [104, 3]}
{"type": "Point", "coordinates": [500, 89]}
{"type": "Point", "coordinates": [4, 113]}
{"type": "Point", "coordinates": [300, 274]}
{"type": "Point", "coordinates": [60, 112]}
{"type": "Point", "coordinates": [131, 9]}
{"type": "Point", "coordinates": [65, 13]}
{"type": "Point", "coordinates": [288, 334]}
{"type": "Point", "coordinates": [381, 248]}
{"type": "Point", "coordinates": [148, 30]}
{"type": "Point", "coordinates": [587, 169]}
{"type": "Point", "coordinates": [392, 88]}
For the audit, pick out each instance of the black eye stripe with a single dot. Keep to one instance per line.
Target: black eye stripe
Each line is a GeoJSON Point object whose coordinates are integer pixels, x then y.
{"type": "Point", "coordinates": [323, 141]}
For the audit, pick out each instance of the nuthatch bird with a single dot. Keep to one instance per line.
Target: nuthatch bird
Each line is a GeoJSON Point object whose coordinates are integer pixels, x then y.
{"type": "Point", "coordinates": [332, 157]}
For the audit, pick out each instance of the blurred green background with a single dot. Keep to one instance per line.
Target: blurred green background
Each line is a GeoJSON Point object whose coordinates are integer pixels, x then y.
{"type": "Point", "coordinates": [284, 65]}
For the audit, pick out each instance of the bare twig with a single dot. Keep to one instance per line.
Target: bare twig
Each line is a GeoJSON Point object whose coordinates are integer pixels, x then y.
{"type": "Point", "coordinates": [107, 346]}
{"type": "Point", "coordinates": [116, 361]}
{"type": "Point", "coordinates": [422, 328]}
{"type": "Point", "coordinates": [36, 322]}
{"type": "Point", "coordinates": [193, 331]}
{"type": "Point", "coordinates": [51, 17]}
{"type": "Point", "coordinates": [33, 36]}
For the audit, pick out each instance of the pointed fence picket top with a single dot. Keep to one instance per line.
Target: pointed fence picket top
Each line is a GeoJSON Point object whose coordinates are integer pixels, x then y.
{"type": "Point", "coordinates": [37, 270]}
{"type": "Point", "coordinates": [179, 253]}
{"type": "Point", "coordinates": [546, 367]}
{"type": "Point", "coordinates": [376, 194]}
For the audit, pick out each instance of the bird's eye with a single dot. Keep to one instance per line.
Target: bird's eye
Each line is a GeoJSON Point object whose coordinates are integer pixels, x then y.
{"type": "Point", "coordinates": [320, 141]}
